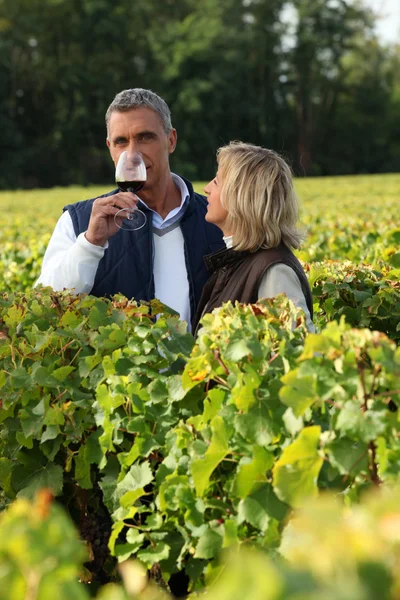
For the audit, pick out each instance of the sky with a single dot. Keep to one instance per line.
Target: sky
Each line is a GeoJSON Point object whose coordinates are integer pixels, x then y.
{"type": "Point", "coordinates": [388, 25]}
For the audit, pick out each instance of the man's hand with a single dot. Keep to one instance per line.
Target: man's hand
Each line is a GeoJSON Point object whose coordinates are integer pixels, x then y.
{"type": "Point", "coordinates": [102, 225]}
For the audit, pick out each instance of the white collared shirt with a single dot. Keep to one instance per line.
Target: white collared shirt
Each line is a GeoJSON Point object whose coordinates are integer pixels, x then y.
{"type": "Point", "coordinates": [71, 262]}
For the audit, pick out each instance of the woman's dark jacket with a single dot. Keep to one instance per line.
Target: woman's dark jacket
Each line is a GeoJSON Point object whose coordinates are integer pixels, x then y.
{"type": "Point", "coordinates": [237, 276]}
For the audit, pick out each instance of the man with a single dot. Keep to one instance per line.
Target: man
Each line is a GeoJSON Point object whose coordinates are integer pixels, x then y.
{"type": "Point", "coordinates": [164, 259]}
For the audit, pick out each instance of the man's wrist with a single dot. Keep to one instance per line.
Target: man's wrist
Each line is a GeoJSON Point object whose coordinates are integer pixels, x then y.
{"type": "Point", "coordinates": [95, 241]}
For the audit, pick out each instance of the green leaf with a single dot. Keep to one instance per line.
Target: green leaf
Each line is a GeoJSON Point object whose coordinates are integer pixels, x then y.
{"type": "Point", "coordinates": [21, 378]}
{"type": "Point", "coordinates": [5, 475]}
{"type": "Point", "coordinates": [355, 423]}
{"type": "Point", "coordinates": [296, 472]}
{"type": "Point", "coordinates": [395, 260]}
{"type": "Point", "coordinates": [350, 457]}
{"type": "Point", "coordinates": [50, 433]}
{"type": "Point", "coordinates": [213, 403]}
{"type": "Point", "coordinates": [231, 537]}
{"type": "Point", "coordinates": [54, 416]}
{"type": "Point", "coordinates": [243, 391]}
{"type": "Point", "coordinates": [43, 377]}
{"type": "Point", "coordinates": [158, 391]}
{"type": "Point", "coordinates": [49, 476]}
{"type": "Point", "coordinates": [299, 391]}
{"type": "Point", "coordinates": [252, 473]}
{"type": "Point", "coordinates": [70, 319]}
{"type": "Point", "coordinates": [88, 454]}
{"type": "Point", "coordinates": [31, 424]}
{"type": "Point", "coordinates": [218, 449]}
{"type": "Point", "coordinates": [62, 373]}
{"type": "Point", "coordinates": [168, 496]}
{"type": "Point", "coordinates": [138, 476]}
{"type": "Point", "coordinates": [260, 506]}
{"type": "Point", "coordinates": [108, 400]}
{"type": "Point", "coordinates": [3, 379]}
{"type": "Point", "coordinates": [237, 350]}
{"type": "Point", "coordinates": [116, 530]}
{"type": "Point", "coordinates": [256, 425]}
{"type": "Point", "coordinates": [175, 388]}
{"type": "Point", "coordinates": [209, 544]}
{"type": "Point", "coordinates": [292, 423]}
{"type": "Point", "coordinates": [98, 315]}
{"type": "Point", "coordinates": [177, 344]}
{"type": "Point", "coordinates": [108, 365]}
{"type": "Point", "coordinates": [129, 498]}
{"type": "Point", "coordinates": [134, 540]}
{"type": "Point", "coordinates": [154, 555]}
{"type": "Point", "coordinates": [142, 447]}
{"type": "Point", "coordinates": [382, 455]}
{"type": "Point", "coordinates": [251, 575]}
{"type": "Point", "coordinates": [194, 516]}
{"type": "Point", "coordinates": [153, 522]}
{"type": "Point", "coordinates": [88, 364]}
{"type": "Point", "coordinates": [251, 510]}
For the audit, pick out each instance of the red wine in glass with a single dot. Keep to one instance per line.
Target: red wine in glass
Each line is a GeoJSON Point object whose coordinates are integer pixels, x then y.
{"type": "Point", "coordinates": [131, 186]}
{"type": "Point", "coordinates": [130, 176]}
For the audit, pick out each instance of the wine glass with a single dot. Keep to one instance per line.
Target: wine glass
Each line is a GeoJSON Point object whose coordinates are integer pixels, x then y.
{"type": "Point", "coordinates": [130, 176]}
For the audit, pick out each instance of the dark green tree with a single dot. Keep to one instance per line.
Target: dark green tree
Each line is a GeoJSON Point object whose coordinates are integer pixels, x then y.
{"type": "Point", "coordinates": [325, 32]}
{"type": "Point", "coordinates": [305, 77]}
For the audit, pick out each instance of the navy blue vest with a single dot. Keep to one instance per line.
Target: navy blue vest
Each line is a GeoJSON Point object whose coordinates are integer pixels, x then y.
{"type": "Point", "coordinates": [127, 265]}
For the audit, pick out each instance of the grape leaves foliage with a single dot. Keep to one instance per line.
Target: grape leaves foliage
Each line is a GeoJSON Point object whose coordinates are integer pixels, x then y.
{"type": "Point", "coordinates": [190, 446]}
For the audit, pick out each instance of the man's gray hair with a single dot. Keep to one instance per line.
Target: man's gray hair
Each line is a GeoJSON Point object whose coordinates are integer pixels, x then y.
{"type": "Point", "coordinates": [140, 98]}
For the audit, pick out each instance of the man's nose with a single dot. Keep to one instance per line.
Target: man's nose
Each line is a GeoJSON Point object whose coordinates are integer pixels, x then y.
{"type": "Point", "coordinates": [133, 146]}
{"type": "Point", "coordinates": [133, 149]}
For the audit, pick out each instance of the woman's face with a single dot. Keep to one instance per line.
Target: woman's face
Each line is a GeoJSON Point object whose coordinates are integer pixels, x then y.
{"type": "Point", "coordinates": [216, 213]}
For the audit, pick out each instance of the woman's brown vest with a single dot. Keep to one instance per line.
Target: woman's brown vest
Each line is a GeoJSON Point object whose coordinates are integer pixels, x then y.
{"type": "Point", "coordinates": [237, 276]}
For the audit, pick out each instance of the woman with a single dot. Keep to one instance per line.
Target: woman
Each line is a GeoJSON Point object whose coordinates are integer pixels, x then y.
{"type": "Point", "coordinates": [253, 202]}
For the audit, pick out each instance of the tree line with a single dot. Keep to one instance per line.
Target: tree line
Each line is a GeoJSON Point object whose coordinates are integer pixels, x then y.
{"type": "Point", "coordinates": [308, 78]}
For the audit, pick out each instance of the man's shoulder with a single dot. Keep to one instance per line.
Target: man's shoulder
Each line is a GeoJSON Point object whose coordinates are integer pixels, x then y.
{"type": "Point", "coordinates": [200, 200]}
{"type": "Point", "coordinates": [197, 207]}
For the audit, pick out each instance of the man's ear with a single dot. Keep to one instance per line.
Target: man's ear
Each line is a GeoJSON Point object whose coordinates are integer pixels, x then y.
{"type": "Point", "coordinates": [108, 143]}
{"type": "Point", "coordinates": [172, 139]}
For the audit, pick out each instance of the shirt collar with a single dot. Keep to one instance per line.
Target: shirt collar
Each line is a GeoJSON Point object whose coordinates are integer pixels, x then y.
{"type": "Point", "coordinates": [176, 212]}
{"type": "Point", "coordinates": [228, 241]}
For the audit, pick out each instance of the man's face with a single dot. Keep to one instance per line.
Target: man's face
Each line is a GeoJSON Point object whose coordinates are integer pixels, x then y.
{"type": "Point", "coordinates": [141, 130]}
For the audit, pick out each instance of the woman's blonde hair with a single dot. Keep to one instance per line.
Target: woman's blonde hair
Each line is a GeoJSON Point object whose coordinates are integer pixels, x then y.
{"type": "Point", "coordinates": [257, 191]}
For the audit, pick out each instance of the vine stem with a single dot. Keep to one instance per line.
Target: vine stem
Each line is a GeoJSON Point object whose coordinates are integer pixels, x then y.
{"type": "Point", "coordinates": [273, 357]}
{"type": "Point", "coordinates": [389, 393]}
{"type": "Point", "coordinates": [56, 304]}
{"type": "Point", "coordinates": [332, 403]}
{"type": "Point", "coordinates": [217, 356]}
{"type": "Point", "coordinates": [67, 345]}
{"type": "Point", "coordinates": [366, 395]}
{"type": "Point", "coordinates": [60, 395]}
{"type": "Point", "coordinates": [83, 498]}
{"type": "Point", "coordinates": [77, 353]}
{"type": "Point", "coordinates": [221, 381]}
{"type": "Point", "coordinates": [373, 465]}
